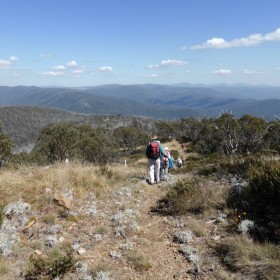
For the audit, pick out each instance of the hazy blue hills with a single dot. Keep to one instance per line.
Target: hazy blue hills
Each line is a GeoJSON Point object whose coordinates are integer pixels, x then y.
{"type": "Point", "coordinates": [157, 101]}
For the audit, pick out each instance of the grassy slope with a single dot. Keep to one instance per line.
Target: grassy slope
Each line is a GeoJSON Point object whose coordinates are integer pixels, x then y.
{"type": "Point", "coordinates": [135, 243]}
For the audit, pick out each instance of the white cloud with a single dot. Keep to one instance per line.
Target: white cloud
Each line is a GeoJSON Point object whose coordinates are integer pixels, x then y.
{"type": "Point", "coordinates": [105, 69]}
{"type": "Point", "coordinates": [5, 63]}
{"type": "Point", "coordinates": [153, 76]}
{"type": "Point", "coordinates": [72, 64]}
{"type": "Point", "coordinates": [59, 67]}
{"type": "Point", "coordinates": [222, 72]}
{"type": "Point", "coordinates": [53, 73]}
{"type": "Point", "coordinates": [79, 71]}
{"type": "Point", "coordinates": [166, 63]}
{"type": "Point", "coordinates": [170, 62]}
{"type": "Point", "coordinates": [250, 72]}
{"type": "Point", "coordinates": [153, 66]}
{"type": "Point", "coordinates": [251, 40]}
{"type": "Point", "coordinates": [13, 58]}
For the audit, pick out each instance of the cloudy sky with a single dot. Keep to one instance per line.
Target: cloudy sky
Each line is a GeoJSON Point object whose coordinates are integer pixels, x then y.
{"type": "Point", "coordinates": [93, 42]}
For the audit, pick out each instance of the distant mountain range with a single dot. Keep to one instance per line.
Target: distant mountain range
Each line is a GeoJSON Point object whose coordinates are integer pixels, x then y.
{"type": "Point", "coordinates": [157, 101]}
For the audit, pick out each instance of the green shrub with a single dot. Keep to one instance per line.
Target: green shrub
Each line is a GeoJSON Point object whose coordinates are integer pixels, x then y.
{"type": "Point", "coordinates": [185, 196]}
{"type": "Point", "coordinates": [263, 196]}
{"type": "Point", "coordinates": [57, 263]}
{"type": "Point", "coordinates": [259, 199]}
{"type": "Point", "coordinates": [175, 154]}
{"type": "Point", "coordinates": [192, 195]}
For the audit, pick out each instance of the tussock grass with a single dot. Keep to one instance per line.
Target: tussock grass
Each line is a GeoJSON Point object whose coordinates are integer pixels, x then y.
{"type": "Point", "coordinates": [255, 260]}
{"type": "Point", "coordinates": [30, 183]}
{"type": "Point", "coordinates": [197, 227]}
{"type": "Point", "coordinates": [139, 261]}
{"type": "Point", "coordinates": [5, 266]}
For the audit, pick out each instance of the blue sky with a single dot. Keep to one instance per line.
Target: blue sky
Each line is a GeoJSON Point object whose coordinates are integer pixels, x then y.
{"type": "Point", "coordinates": [94, 42]}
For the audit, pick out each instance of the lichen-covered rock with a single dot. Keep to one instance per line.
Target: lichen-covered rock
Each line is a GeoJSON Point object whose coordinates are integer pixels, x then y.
{"type": "Point", "coordinates": [15, 218]}
{"type": "Point", "coordinates": [183, 236]}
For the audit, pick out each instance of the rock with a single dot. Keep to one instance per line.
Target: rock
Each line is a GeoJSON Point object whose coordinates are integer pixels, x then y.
{"type": "Point", "coordinates": [63, 201]}
{"type": "Point", "coordinates": [216, 237]}
{"type": "Point", "coordinates": [16, 209]}
{"type": "Point", "coordinates": [15, 218]}
{"type": "Point", "coordinates": [81, 251]}
{"type": "Point", "coordinates": [54, 229]}
{"type": "Point", "coordinates": [184, 236]}
{"type": "Point", "coordinates": [61, 239]}
{"type": "Point", "coordinates": [51, 241]}
{"type": "Point", "coordinates": [38, 252]}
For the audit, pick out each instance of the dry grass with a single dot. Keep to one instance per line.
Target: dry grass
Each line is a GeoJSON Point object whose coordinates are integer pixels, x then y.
{"type": "Point", "coordinates": [5, 266]}
{"type": "Point", "coordinates": [257, 261]}
{"type": "Point", "coordinates": [139, 261]}
{"type": "Point", "coordinates": [30, 183]}
{"type": "Point", "coordinates": [197, 227]}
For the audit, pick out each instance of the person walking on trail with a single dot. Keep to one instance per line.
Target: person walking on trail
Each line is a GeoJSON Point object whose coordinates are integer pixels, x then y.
{"type": "Point", "coordinates": [179, 162]}
{"type": "Point", "coordinates": [166, 159]}
{"type": "Point", "coordinates": [154, 152]}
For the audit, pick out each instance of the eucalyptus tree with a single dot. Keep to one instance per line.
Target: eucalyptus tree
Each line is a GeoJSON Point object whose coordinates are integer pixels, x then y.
{"type": "Point", "coordinates": [227, 133]}
{"type": "Point", "coordinates": [96, 145]}
{"type": "Point", "coordinates": [56, 142]}
{"type": "Point", "coordinates": [129, 138]}
{"type": "Point", "coordinates": [252, 133]}
{"type": "Point", "coordinates": [6, 147]}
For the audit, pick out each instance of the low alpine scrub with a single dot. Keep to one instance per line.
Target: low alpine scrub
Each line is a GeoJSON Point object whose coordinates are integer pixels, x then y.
{"type": "Point", "coordinates": [193, 195]}
{"type": "Point", "coordinates": [259, 200]}
{"type": "Point", "coordinates": [56, 263]}
{"type": "Point", "coordinates": [263, 195]}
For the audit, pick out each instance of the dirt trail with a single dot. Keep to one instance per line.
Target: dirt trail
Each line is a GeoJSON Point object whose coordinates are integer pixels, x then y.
{"type": "Point", "coordinates": [133, 231]}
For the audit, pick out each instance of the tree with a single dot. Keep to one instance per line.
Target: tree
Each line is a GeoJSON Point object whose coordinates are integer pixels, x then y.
{"type": "Point", "coordinates": [273, 135]}
{"type": "Point", "coordinates": [129, 138]}
{"type": "Point", "coordinates": [6, 147]}
{"type": "Point", "coordinates": [252, 132]}
{"type": "Point", "coordinates": [57, 142]}
{"type": "Point", "coordinates": [95, 145]}
{"type": "Point", "coordinates": [228, 133]}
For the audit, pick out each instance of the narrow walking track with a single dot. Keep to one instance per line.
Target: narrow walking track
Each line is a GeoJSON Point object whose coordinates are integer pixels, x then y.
{"type": "Point", "coordinates": [126, 215]}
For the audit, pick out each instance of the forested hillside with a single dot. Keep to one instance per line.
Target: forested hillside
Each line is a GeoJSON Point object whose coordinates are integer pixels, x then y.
{"type": "Point", "coordinates": [23, 123]}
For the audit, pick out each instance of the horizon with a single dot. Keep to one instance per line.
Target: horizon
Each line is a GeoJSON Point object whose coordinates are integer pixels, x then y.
{"type": "Point", "coordinates": [156, 84]}
{"type": "Point", "coordinates": [92, 43]}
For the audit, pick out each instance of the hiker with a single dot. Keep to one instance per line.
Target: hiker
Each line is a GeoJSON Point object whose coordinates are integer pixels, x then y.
{"type": "Point", "coordinates": [166, 160]}
{"type": "Point", "coordinates": [179, 162]}
{"type": "Point", "coordinates": [154, 152]}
